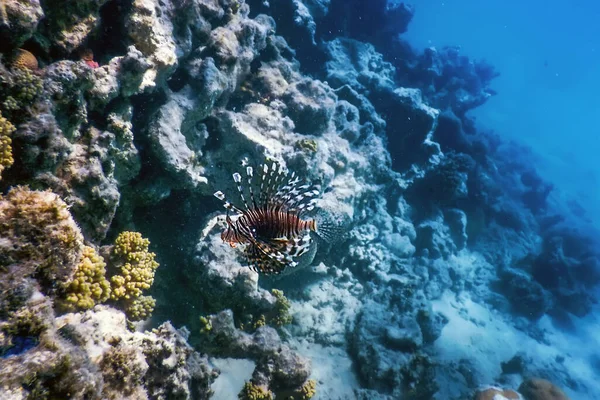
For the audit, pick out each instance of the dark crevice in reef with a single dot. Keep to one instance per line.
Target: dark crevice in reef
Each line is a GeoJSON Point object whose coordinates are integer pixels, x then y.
{"type": "Point", "coordinates": [179, 79]}
{"type": "Point", "coordinates": [144, 107]}
{"type": "Point", "coordinates": [109, 41]}
{"type": "Point", "coordinates": [213, 141]}
{"type": "Point", "coordinates": [182, 211]}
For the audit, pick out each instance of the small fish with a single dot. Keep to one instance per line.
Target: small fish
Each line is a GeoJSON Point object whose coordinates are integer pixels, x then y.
{"type": "Point", "coordinates": [271, 221]}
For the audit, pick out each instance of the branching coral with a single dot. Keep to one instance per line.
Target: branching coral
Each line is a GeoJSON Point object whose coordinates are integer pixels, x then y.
{"type": "Point", "coordinates": [140, 308]}
{"type": "Point", "coordinates": [251, 391]}
{"type": "Point", "coordinates": [41, 239]}
{"type": "Point", "coordinates": [137, 271]}
{"type": "Point", "coordinates": [6, 157]}
{"type": "Point", "coordinates": [309, 389]}
{"type": "Point", "coordinates": [136, 267]}
{"type": "Point", "coordinates": [281, 315]}
{"type": "Point", "coordinates": [89, 286]}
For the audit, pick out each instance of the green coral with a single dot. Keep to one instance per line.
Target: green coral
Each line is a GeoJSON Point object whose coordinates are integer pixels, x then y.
{"type": "Point", "coordinates": [140, 308]}
{"type": "Point", "coordinates": [24, 322]}
{"type": "Point", "coordinates": [251, 391]}
{"type": "Point", "coordinates": [281, 313]}
{"type": "Point", "coordinates": [6, 157]}
{"type": "Point", "coordinates": [205, 325]}
{"type": "Point", "coordinates": [137, 272]}
{"type": "Point", "coordinates": [39, 235]}
{"type": "Point", "coordinates": [120, 369]}
{"type": "Point", "coordinates": [19, 89]}
{"type": "Point", "coordinates": [309, 145]}
{"type": "Point", "coordinates": [89, 285]}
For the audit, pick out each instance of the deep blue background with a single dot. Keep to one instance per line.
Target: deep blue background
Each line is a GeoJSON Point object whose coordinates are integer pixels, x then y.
{"type": "Point", "coordinates": [548, 54]}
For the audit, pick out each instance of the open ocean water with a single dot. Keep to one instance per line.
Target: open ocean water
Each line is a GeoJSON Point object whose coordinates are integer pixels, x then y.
{"type": "Point", "coordinates": [548, 56]}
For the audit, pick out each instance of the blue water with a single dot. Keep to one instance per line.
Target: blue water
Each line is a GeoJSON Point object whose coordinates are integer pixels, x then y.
{"type": "Point", "coordinates": [548, 55]}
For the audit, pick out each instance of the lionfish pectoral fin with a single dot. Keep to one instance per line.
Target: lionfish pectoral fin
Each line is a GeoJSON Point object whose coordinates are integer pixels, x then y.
{"type": "Point", "coordinates": [260, 263]}
{"type": "Point", "coordinates": [299, 245]}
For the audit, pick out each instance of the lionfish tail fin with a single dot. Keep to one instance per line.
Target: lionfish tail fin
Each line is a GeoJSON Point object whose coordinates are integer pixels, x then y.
{"type": "Point", "coordinates": [330, 228]}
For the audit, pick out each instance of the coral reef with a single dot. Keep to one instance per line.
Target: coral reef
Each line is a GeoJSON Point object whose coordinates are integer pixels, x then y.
{"type": "Point", "coordinates": [278, 369]}
{"type": "Point", "coordinates": [98, 357]}
{"type": "Point", "coordinates": [456, 257]}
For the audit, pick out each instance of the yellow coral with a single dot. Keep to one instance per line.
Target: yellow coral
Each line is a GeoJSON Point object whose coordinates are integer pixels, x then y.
{"type": "Point", "coordinates": [282, 309]}
{"type": "Point", "coordinates": [89, 285]}
{"type": "Point", "coordinates": [261, 321]}
{"type": "Point", "coordinates": [251, 391]}
{"type": "Point", "coordinates": [129, 243]}
{"type": "Point", "coordinates": [140, 308]}
{"type": "Point", "coordinates": [6, 157]}
{"type": "Point", "coordinates": [137, 272]}
{"type": "Point", "coordinates": [206, 325]}
{"type": "Point", "coordinates": [309, 389]}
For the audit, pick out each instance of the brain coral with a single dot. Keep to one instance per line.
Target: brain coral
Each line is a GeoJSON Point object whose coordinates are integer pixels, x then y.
{"type": "Point", "coordinates": [541, 389]}
{"type": "Point", "coordinates": [25, 60]}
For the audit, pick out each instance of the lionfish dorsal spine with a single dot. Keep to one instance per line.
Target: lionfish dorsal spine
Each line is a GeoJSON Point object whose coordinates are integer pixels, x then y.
{"type": "Point", "coordinates": [230, 207]}
{"type": "Point", "coordinates": [250, 175]}
{"type": "Point", "coordinates": [237, 178]}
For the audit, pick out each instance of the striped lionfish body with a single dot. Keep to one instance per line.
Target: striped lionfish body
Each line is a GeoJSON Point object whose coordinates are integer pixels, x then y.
{"type": "Point", "coordinates": [270, 222]}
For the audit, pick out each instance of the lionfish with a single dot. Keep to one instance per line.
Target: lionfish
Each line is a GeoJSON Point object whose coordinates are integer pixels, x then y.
{"type": "Point", "coordinates": [271, 222]}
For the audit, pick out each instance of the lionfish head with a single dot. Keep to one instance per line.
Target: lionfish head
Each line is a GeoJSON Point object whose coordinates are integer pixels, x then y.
{"type": "Point", "coordinates": [227, 235]}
